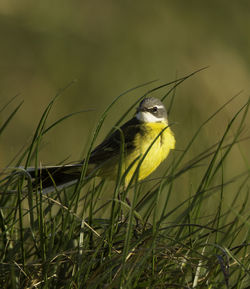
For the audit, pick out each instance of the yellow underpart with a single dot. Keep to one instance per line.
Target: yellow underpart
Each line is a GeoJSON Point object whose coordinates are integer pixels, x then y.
{"type": "Point", "coordinates": [164, 141]}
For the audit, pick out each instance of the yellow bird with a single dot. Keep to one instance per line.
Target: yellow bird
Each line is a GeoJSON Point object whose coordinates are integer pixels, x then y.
{"type": "Point", "coordinates": [145, 141]}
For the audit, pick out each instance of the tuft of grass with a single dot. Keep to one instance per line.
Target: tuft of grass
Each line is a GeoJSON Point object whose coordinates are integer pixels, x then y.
{"type": "Point", "coordinates": [87, 236]}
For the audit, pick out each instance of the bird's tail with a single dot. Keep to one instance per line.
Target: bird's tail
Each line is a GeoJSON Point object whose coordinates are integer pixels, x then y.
{"type": "Point", "coordinates": [50, 178]}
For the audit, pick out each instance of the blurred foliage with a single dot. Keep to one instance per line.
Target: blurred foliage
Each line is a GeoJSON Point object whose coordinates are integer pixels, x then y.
{"type": "Point", "coordinates": [111, 46]}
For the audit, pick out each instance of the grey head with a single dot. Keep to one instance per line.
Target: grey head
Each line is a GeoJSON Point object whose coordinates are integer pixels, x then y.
{"type": "Point", "coordinates": [151, 110]}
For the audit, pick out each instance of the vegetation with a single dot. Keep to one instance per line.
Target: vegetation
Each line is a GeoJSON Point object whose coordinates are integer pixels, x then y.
{"type": "Point", "coordinates": [87, 236]}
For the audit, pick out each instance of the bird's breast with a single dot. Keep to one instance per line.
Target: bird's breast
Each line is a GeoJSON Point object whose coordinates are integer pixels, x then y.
{"type": "Point", "coordinates": [151, 146]}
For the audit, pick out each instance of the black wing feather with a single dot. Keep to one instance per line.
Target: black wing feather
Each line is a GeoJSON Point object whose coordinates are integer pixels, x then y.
{"type": "Point", "coordinates": [110, 147]}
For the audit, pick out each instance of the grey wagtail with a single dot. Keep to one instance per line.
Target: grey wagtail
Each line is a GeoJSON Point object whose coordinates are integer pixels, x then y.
{"type": "Point", "coordinates": [146, 140]}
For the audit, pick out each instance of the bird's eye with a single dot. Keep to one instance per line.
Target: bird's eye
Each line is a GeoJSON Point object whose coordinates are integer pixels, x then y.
{"type": "Point", "coordinates": [154, 109]}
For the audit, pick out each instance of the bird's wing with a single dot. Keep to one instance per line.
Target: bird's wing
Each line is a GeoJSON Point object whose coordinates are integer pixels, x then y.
{"type": "Point", "coordinates": [111, 146]}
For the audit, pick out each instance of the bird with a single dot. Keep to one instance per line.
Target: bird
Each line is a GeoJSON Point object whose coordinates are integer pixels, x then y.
{"type": "Point", "coordinates": [133, 150]}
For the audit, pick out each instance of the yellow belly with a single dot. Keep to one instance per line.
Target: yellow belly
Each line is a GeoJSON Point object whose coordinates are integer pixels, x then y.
{"type": "Point", "coordinates": [153, 158]}
{"type": "Point", "coordinates": [155, 154]}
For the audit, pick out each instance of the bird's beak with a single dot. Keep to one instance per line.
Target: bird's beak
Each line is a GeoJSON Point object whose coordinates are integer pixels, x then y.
{"type": "Point", "coordinates": [140, 109]}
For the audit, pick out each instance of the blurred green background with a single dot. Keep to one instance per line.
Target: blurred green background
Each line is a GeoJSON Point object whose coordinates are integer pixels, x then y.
{"type": "Point", "coordinates": [111, 46]}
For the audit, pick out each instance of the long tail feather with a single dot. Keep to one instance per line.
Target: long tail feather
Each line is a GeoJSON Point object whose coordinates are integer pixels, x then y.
{"type": "Point", "coordinates": [54, 176]}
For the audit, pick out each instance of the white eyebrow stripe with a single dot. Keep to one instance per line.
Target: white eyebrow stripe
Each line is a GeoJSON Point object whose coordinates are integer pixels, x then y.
{"type": "Point", "coordinates": [158, 106]}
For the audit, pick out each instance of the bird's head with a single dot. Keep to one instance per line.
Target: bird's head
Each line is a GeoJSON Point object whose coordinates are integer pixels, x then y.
{"type": "Point", "coordinates": [151, 110]}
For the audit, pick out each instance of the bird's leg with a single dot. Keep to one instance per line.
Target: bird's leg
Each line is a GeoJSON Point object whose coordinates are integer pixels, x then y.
{"type": "Point", "coordinates": [136, 218]}
{"type": "Point", "coordinates": [122, 217]}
